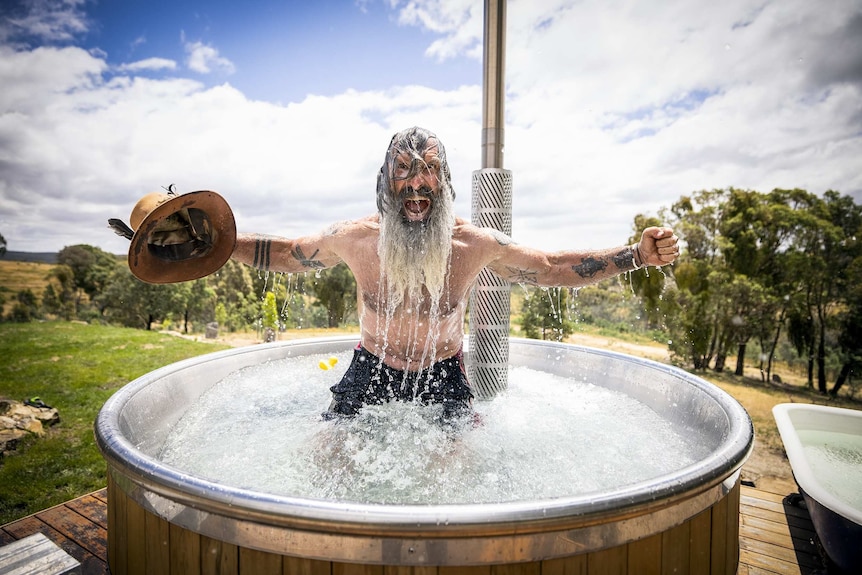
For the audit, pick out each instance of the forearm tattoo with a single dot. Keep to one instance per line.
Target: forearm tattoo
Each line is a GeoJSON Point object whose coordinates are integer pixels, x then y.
{"type": "Point", "coordinates": [625, 259]}
{"type": "Point", "coordinates": [262, 247]}
{"type": "Point", "coordinates": [520, 276]}
{"type": "Point", "coordinates": [308, 262]}
{"type": "Point", "coordinates": [590, 266]}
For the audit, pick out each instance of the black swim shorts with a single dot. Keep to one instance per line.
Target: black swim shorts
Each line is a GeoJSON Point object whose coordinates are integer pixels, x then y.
{"type": "Point", "coordinates": [369, 381]}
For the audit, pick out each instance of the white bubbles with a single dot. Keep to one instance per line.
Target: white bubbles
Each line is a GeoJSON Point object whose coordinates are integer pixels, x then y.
{"type": "Point", "coordinates": [546, 436]}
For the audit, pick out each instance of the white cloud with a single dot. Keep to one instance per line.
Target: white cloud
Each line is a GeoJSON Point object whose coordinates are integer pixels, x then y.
{"type": "Point", "coordinates": [148, 64]}
{"type": "Point", "coordinates": [623, 109]}
{"type": "Point", "coordinates": [204, 59]}
{"type": "Point", "coordinates": [459, 22]}
{"type": "Point", "coordinates": [612, 110]}
{"type": "Point", "coordinates": [89, 152]}
{"type": "Point", "coordinates": [35, 79]}
{"type": "Point", "coordinates": [47, 20]}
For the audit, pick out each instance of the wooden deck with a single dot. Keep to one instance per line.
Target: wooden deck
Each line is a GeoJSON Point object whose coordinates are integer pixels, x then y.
{"type": "Point", "coordinates": [79, 527]}
{"type": "Point", "coordinates": [776, 537]}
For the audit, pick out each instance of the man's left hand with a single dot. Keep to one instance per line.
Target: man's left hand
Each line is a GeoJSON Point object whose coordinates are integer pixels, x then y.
{"type": "Point", "coordinates": [658, 247]}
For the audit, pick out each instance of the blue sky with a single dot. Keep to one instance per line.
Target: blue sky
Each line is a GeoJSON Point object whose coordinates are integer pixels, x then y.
{"type": "Point", "coordinates": [613, 108]}
{"type": "Point", "coordinates": [276, 51]}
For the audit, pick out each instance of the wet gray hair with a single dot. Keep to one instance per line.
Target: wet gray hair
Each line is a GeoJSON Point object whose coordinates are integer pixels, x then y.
{"type": "Point", "coordinates": [413, 141]}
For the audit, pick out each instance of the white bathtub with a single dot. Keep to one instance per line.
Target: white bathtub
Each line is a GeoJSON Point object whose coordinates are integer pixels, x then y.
{"type": "Point", "coordinates": [824, 446]}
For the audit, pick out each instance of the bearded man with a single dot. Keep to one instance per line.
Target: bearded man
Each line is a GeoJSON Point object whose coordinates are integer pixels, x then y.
{"type": "Point", "coordinates": [414, 264]}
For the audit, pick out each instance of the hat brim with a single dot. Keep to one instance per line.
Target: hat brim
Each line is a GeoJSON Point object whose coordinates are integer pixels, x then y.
{"type": "Point", "coordinates": [146, 262]}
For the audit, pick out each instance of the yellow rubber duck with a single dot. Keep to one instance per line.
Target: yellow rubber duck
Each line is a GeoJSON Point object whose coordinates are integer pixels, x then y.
{"type": "Point", "coordinates": [328, 363]}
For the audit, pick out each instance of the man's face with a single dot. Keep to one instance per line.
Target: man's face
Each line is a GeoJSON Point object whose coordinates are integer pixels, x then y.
{"type": "Point", "coordinates": [416, 182]}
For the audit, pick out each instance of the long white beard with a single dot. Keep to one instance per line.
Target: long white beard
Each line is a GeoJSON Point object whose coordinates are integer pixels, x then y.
{"type": "Point", "coordinates": [414, 255]}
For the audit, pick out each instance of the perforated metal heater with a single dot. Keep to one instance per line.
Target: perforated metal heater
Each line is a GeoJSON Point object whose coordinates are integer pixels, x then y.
{"type": "Point", "coordinates": [488, 365]}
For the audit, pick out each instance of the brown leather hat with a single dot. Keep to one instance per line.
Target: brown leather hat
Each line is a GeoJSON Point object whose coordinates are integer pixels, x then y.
{"type": "Point", "coordinates": [180, 237]}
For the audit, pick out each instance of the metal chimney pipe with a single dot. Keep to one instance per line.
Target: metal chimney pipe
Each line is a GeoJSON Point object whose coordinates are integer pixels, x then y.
{"type": "Point", "coordinates": [488, 368]}
{"type": "Point", "coordinates": [493, 84]}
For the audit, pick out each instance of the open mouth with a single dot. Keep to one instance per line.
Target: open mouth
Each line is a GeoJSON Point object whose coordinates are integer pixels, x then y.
{"type": "Point", "coordinates": [417, 209]}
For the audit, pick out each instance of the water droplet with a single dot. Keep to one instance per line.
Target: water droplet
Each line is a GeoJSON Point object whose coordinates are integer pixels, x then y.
{"type": "Point", "coordinates": [727, 46]}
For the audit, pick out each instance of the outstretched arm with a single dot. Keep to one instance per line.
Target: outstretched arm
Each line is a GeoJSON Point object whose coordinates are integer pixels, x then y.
{"type": "Point", "coordinates": [277, 254]}
{"type": "Point", "coordinates": [517, 264]}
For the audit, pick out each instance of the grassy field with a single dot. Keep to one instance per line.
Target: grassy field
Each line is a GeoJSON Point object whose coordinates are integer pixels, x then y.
{"type": "Point", "coordinates": [75, 368]}
{"type": "Point", "coordinates": [16, 276]}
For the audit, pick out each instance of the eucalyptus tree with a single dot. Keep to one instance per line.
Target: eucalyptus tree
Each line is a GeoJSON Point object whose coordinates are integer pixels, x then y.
{"type": "Point", "coordinates": [235, 291]}
{"type": "Point", "coordinates": [91, 267]}
{"type": "Point", "coordinates": [58, 297]}
{"type": "Point", "coordinates": [335, 289]}
{"type": "Point", "coordinates": [850, 322]}
{"type": "Point", "coordinates": [837, 291]}
{"type": "Point", "coordinates": [693, 306]}
{"type": "Point", "coordinates": [764, 238]}
{"type": "Point", "coordinates": [198, 301]}
{"type": "Point", "coordinates": [823, 249]}
{"type": "Point", "coordinates": [544, 314]}
{"type": "Point", "coordinates": [128, 301]}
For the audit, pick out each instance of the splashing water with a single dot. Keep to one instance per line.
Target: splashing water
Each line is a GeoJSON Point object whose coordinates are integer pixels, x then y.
{"type": "Point", "coordinates": [261, 429]}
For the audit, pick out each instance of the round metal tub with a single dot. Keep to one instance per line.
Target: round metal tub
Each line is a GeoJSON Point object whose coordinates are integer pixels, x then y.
{"type": "Point", "coordinates": [162, 519]}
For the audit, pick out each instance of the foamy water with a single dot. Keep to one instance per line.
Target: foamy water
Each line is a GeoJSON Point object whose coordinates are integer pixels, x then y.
{"type": "Point", "coordinates": [546, 437]}
{"type": "Point", "coordinates": [836, 461]}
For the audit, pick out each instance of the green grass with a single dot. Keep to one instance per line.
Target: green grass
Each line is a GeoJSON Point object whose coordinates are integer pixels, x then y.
{"type": "Point", "coordinates": [75, 368]}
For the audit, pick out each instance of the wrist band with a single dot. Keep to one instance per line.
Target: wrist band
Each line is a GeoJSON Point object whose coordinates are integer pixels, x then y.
{"type": "Point", "coordinates": [634, 263]}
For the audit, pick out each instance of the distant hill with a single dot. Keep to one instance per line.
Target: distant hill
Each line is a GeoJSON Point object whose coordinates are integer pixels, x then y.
{"type": "Point", "coordinates": [38, 257]}
{"type": "Point", "coordinates": [17, 275]}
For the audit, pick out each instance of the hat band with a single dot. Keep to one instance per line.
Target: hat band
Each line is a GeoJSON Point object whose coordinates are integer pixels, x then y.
{"type": "Point", "coordinates": [179, 252]}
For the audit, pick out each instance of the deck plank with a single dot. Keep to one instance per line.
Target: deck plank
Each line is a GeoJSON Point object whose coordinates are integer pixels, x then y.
{"type": "Point", "coordinates": [794, 527]}
{"type": "Point", "coordinates": [91, 508]}
{"type": "Point", "coordinates": [89, 535]}
{"type": "Point", "coordinates": [776, 538]}
{"type": "Point", "coordinates": [779, 550]}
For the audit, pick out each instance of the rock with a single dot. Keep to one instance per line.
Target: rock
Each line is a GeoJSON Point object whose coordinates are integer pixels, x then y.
{"type": "Point", "coordinates": [47, 415]}
{"type": "Point", "coordinates": [32, 425]}
{"type": "Point", "coordinates": [18, 420]}
{"type": "Point", "coordinates": [9, 439]}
